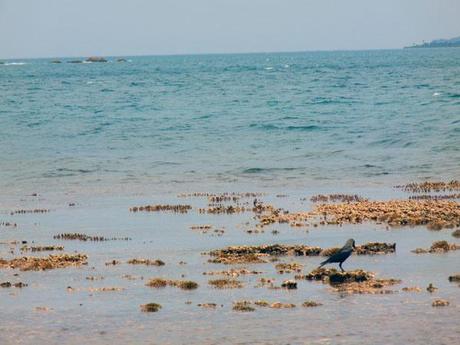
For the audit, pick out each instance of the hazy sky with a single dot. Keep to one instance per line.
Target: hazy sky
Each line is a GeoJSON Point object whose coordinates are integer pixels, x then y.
{"type": "Point", "coordinates": [46, 28]}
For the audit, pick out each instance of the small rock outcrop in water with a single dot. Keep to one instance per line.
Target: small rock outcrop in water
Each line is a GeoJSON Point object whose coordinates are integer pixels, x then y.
{"type": "Point", "coordinates": [181, 284]}
{"type": "Point", "coordinates": [158, 208]}
{"type": "Point", "coordinates": [16, 285]}
{"type": "Point", "coordinates": [455, 278]}
{"type": "Point", "coordinates": [256, 254]}
{"type": "Point", "coordinates": [28, 263]}
{"type": "Point", "coordinates": [147, 262]}
{"type": "Point", "coordinates": [150, 307]}
{"type": "Point", "coordinates": [96, 59]}
{"type": "Point", "coordinates": [440, 303]}
{"type": "Point", "coordinates": [438, 247]}
{"type": "Point", "coordinates": [352, 282]}
{"type": "Point", "coordinates": [226, 283]}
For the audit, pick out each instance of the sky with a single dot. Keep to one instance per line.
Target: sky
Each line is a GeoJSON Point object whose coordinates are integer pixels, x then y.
{"type": "Point", "coordinates": [65, 28]}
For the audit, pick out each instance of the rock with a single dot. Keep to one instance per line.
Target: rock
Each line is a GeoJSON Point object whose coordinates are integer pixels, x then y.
{"type": "Point", "coordinates": [96, 59]}
{"type": "Point", "coordinates": [226, 283]}
{"type": "Point", "coordinates": [289, 284]}
{"type": "Point", "coordinates": [455, 278]}
{"type": "Point", "coordinates": [121, 60]}
{"type": "Point", "coordinates": [456, 233]}
{"type": "Point", "coordinates": [244, 306]}
{"type": "Point", "coordinates": [309, 304]}
{"type": "Point", "coordinates": [440, 303]}
{"type": "Point", "coordinates": [181, 284]}
{"type": "Point", "coordinates": [431, 288]}
{"type": "Point", "coordinates": [150, 307]}
{"type": "Point", "coordinates": [412, 289]}
{"type": "Point", "coordinates": [279, 305]}
{"type": "Point", "coordinates": [75, 61]}
{"type": "Point", "coordinates": [56, 61]}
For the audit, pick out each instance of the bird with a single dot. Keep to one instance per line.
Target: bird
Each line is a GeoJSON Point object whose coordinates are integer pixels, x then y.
{"type": "Point", "coordinates": [341, 255]}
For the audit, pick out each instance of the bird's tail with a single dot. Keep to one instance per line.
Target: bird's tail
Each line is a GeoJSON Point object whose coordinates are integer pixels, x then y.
{"type": "Point", "coordinates": [323, 263]}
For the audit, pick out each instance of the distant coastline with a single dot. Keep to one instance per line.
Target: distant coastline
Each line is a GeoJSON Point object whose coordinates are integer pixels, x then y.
{"type": "Point", "coordinates": [439, 43]}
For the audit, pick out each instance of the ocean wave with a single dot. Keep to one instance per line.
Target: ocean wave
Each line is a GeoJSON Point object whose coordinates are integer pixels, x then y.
{"type": "Point", "coordinates": [14, 63]}
{"type": "Point", "coordinates": [267, 170]}
{"type": "Point", "coordinates": [269, 127]}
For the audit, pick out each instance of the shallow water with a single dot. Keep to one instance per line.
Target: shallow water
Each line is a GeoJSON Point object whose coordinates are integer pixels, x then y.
{"type": "Point", "coordinates": [74, 317]}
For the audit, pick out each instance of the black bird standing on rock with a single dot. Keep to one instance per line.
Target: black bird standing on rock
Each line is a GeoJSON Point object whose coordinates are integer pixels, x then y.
{"type": "Point", "coordinates": [341, 255]}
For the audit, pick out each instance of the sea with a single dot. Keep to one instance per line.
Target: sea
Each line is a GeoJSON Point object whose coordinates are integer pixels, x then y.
{"type": "Point", "coordinates": [265, 120]}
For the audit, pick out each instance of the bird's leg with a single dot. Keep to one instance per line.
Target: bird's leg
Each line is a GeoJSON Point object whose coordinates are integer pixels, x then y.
{"type": "Point", "coordinates": [340, 265]}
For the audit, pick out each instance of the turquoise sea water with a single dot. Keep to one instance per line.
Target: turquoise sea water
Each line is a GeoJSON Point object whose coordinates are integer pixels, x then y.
{"type": "Point", "coordinates": [275, 119]}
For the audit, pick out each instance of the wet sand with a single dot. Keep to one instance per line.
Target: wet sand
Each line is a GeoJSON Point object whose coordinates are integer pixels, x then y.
{"type": "Point", "coordinates": [102, 302]}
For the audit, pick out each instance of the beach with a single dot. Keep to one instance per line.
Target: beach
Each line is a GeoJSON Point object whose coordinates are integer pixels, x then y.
{"type": "Point", "coordinates": [134, 180]}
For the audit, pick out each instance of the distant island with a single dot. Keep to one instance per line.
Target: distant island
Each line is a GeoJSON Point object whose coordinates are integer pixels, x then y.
{"type": "Point", "coordinates": [440, 43]}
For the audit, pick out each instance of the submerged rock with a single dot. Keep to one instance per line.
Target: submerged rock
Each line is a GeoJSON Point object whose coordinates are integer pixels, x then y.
{"type": "Point", "coordinates": [438, 247]}
{"type": "Point", "coordinates": [357, 281]}
{"type": "Point", "coordinates": [159, 208]}
{"type": "Point", "coordinates": [29, 263]}
{"type": "Point", "coordinates": [150, 307]}
{"type": "Point", "coordinates": [332, 276]}
{"type": "Point", "coordinates": [289, 284]}
{"type": "Point", "coordinates": [455, 278]}
{"type": "Point", "coordinates": [147, 262]}
{"type": "Point", "coordinates": [181, 284]}
{"type": "Point", "coordinates": [440, 303]}
{"type": "Point", "coordinates": [309, 304]}
{"type": "Point", "coordinates": [244, 306]}
{"type": "Point", "coordinates": [226, 283]}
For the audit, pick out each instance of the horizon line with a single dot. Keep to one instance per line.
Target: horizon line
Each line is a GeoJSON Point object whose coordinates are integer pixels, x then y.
{"type": "Point", "coordinates": [202, 54]}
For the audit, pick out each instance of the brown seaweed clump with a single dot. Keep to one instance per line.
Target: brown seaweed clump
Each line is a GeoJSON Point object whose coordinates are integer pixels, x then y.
{"type": "Point", "coordinates": [150, 307]}
{"type": "Point", "coordinates": [181, 284]}
{"type": "Point", "coordinates": [29, 263]}
{"type": "Point", "coordinates": [288, 267]}
{"type": "Point", "coordinates": [226, 283]}
{"type": "Point", "coordinates": [84, 237]}
{"type": "Point", "coordinates": [455, 278]}
{"type": "Point", "coordinates": [412, 289]}
{"type": "Point", "coordinates": [431, 186]}
{"type": "Point", "coordinates": [42, 248]}
{"type": "Point", "coordinates": [367, 287]}
{"type": "Point", "coordinates": [36, 210]}
{"type": "Point", "coordinates": [289, 284]}
{"type": "Point", "coordinates": [435, 214]}
{"type": "Point", "coordinates": [147, 262]}
{"type": "Point", "coordinates": [207, 305]}
{"type": "Point", "coordinates": [456, 233]}
{"type": "Point", "coordinates": [332, 276]}
{"type": "Point", "coordinates": [279, 305]}
{"type": "Point", "coordinates": [438, 247]}
{"type": "Point", "coordinates": [356, 282]}
{"type": "Point", "coordinates": [158, 208]}
{"type": "Point", "coordinates": [243, 306]}
{"type": "Point", "coordinates": [233, 272]}
{"type": "Point", "coordinates": [336, 198]}
{"type": "Point", "coordinates": [370, 248]}
{"type": "Point", "coordinates": [8, 224]}
{"type": "Point", "coordinates": [231, 259]}
{"type": "Point", "coordinates": [440, 303]}
{"type": "Point", "coordinates": [309, 304]}
{"type": "Point", "coordinates": [19, 285]}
